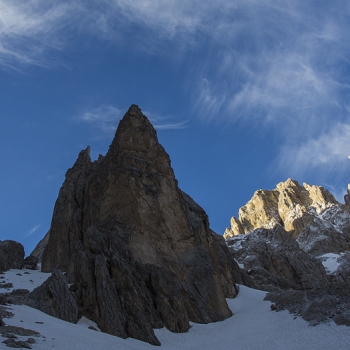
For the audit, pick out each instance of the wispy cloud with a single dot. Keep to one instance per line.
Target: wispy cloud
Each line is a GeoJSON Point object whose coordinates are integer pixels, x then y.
{"type": "Point", "coordinates": [328, 153]}
{"type": "Point", "coordinates": [31, 231]}
{"type": "Point", "coordinates": [164, 122]}
{"type": "Point", "coordinates": [261, 62]}
{"type": "Point", "coordinates": [30, 30]}
{"type": "Point", "coordinates": [106, 118]}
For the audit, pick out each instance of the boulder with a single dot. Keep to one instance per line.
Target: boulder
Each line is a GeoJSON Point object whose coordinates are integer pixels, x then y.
{"type": "Point", "coordinates": [31, 262]}
{"type": "Point", "coordinates": [54, 298]}
{"type": "Point", "coordinates": [139, 252]}
{"type": "Point", "coordinates": [11, 255]}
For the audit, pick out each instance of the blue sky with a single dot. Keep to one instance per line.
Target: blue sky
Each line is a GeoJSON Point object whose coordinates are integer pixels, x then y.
{"type": "Point", "coordinates": [244, 94]}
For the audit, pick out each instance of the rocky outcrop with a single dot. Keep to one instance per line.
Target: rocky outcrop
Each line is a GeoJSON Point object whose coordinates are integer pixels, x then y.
{"type": "Point", "coordinates": [294, 241]}
{"type": "Point", "coordinates": [280, 232]}
{"type": "Point", "coordinates": [11, 255]}
{"type": "Point", "coordinates": [54, 298]}
{"type": "Point", "coordinates": [289, 205]}
{"type": "Point", "coordinates": [328, 232]}
{"type": "Point", "coordinates": [139, 252]}
{"type": "Point", "coordinates": [331, 302]}
{"type": "Point", "coordinates": [310, 214]}
{"type": "Point", "coordinates": [40, 247]}
{"type": "Point", "coordinates": [347, 196]}
{"type": "Point", "coordinates": [31, 262]}
{"type": "Point", "coordinates": [274, 261]}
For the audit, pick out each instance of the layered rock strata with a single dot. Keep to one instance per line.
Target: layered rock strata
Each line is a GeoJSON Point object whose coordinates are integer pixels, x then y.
{"type": "Point", "coordinates": [138, 251]}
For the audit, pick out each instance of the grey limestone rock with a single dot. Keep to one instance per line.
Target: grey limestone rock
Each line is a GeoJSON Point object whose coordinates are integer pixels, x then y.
{"type": "Point", "coordinates": [138, 251]}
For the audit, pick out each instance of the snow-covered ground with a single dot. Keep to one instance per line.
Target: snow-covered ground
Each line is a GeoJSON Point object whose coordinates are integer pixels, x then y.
{"type": "Point", "coordinates": [24, 279]}
{"type": "Point", "coordinates": [330, 262]}
{"type": "Point", "coordinates": [254, 326]}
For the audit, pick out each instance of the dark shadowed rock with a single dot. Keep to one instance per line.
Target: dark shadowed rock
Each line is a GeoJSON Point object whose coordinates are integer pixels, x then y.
{"type": "Point", "coordinates": [274, 260]}
{"type": "Point", "coordinates": [31, 262]}
{"type": "Point", "coordinates": [331, 302]}
{"type": "Point", "coordinates": [11, 255]}
{"type": "Point", "coordinates": [139, 251]}
{"type": "Point", "coordinates": [342, 272]}
{"type": "Point", "coordinates": [347, 197]}
{"type": "Point", "coordinates": [328, 232]}
{"type": "Point", "coordinates": [39, 249]}
{"type": "Point", "coordinates": [54, 298]}
{"type": "Point", "coordinates": [19, 344]}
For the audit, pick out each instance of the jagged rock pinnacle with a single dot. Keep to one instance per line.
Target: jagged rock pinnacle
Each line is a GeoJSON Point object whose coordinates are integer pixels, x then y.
{"type": "Point", "coordinates": [133, 244]}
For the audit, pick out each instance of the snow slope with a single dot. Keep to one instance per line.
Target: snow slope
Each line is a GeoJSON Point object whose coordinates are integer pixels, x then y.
{"type": "Point", "coordinates": [330, 262]}
{"type": "Point", "coordinates": [254, 326]}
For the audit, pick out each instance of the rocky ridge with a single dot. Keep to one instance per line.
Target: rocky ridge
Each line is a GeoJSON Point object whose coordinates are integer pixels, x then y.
{"type": "Point", "coordinates": [137, 251]}
{"type": "Point", "coordinates": [275, 261]}
{"type": "Point", "coordinates": [289, 205]}
{"type": "Point", "coordinates": [294, 241]}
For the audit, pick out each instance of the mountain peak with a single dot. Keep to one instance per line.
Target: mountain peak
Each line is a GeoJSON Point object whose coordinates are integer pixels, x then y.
{"type": "Point", "coordinates": [134, 245]}
{"type": "Point", "coordinates": [135, 133]}
{"type": "Point", "coordinates": [288, 205]}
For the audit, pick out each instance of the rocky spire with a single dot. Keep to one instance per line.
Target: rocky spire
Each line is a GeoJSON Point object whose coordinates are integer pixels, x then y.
{"type": "Point", "coordinates": [139, 251]}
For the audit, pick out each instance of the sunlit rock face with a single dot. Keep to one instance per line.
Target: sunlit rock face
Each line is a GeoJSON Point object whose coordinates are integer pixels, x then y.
{"type": "Point", "coordinates": [138, 251]}
{"type": "Point", "coordinates": [282, 236]}
{"type": "Point", "coordinates": [289, 205]}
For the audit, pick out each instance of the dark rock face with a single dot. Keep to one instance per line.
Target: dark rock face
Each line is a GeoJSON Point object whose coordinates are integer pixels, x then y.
{"type": "Point", "coordinates": [342, 273]}
{"type": "Point", "coordinates": [327, 233]}
{"type": "Point", "coordinates": [139, 251]}
{"type": "Point", "coordinates": [274, 260]}
{"type": "Point", "coordinates": [11, 255]}
{"type": "Point", "coordinates": [31, 262]}
{"type": "Point", "coordinates": [347, 197]}
{"type": "Point", "coordinates": [54, 298]}
{"type": "Point", "coordinates": [315, 306]}
{"type": "Point", "coordinates": [39, 249]}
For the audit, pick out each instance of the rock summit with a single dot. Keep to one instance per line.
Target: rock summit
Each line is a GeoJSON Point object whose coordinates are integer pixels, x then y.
{"type": "Point", "coordinates": [137, 252]}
